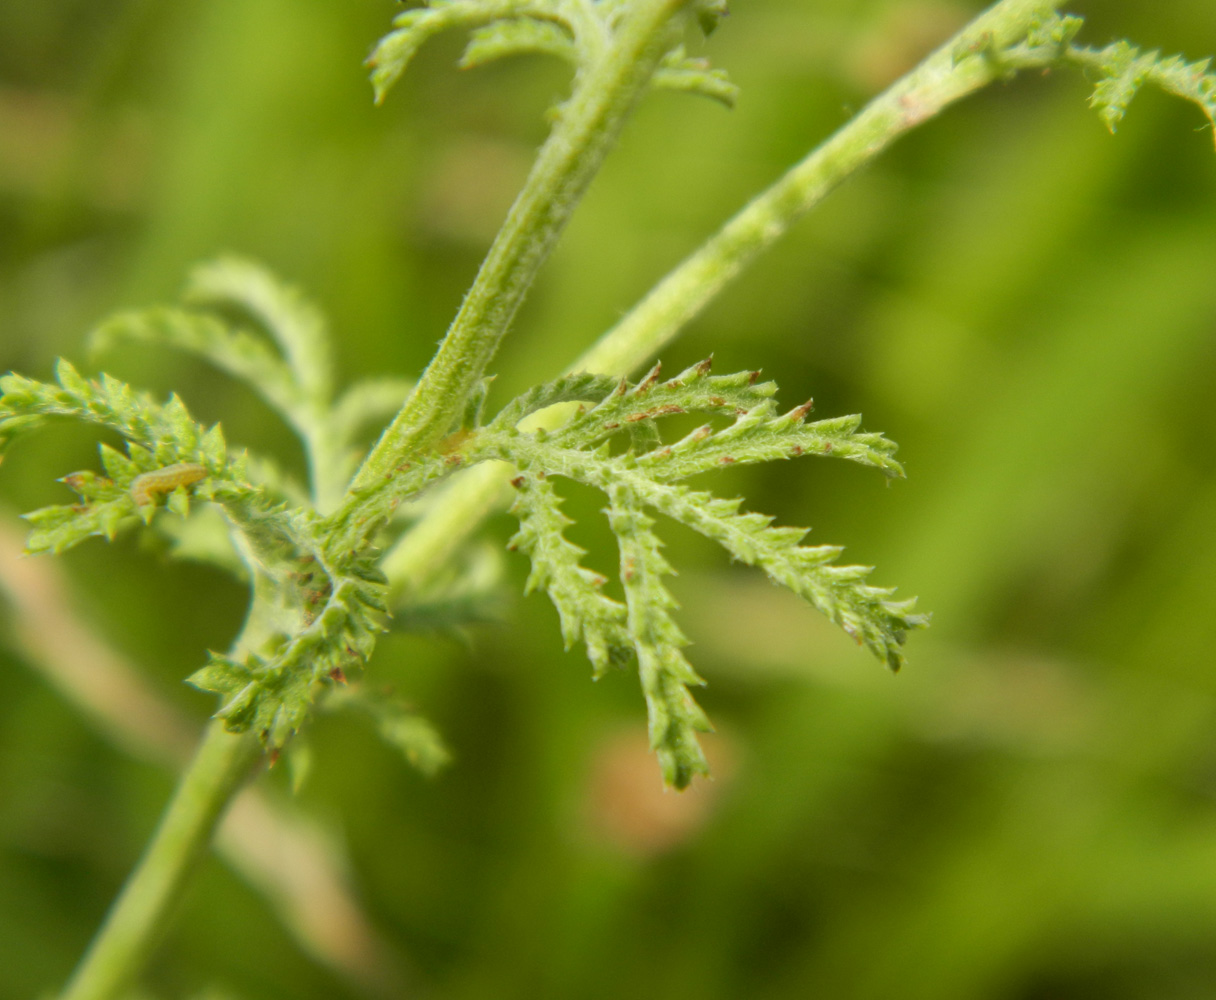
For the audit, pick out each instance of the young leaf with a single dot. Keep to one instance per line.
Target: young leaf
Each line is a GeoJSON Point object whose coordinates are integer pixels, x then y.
{"type": "Point", "coordinates": [239, 353]}
{"type": "Point", "coordinates": [680, 72]}
{"type": "Point", "coordinates": [273, 694]}
{"type": "Point", "coordinates": [576, 32]}
{"type": "Point", "coordinates": [294, 323]}
{"type": "Point", "coordinates": [165, 446]}
{"type": "Point", "coordinates": [1121, 68]}
{"type": "Point", "coordinates": [519, 36]}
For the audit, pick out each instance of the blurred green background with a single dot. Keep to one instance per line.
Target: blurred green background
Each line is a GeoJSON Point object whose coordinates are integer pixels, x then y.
{"type": "Point", "coordinates": [1025, 303]}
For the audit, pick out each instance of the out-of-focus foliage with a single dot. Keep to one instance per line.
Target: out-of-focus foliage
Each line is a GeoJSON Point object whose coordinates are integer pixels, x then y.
{"type": "Point", "coordinates": [577, 33]}
{"type": "Point", "coordinates": [1022, 301]}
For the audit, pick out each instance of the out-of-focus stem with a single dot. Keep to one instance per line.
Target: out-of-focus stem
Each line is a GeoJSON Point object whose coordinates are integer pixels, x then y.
{"type": "Point", "coordinates": [278, 851]}
{"type": "Point", "coordinates": [135, 922]}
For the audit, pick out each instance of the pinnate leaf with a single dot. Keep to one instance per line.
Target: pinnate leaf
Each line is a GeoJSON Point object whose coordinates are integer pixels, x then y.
{"type": "Point", "coordinates": [577, 32]}
{"type": "Point", "coordinates": [644, 479]}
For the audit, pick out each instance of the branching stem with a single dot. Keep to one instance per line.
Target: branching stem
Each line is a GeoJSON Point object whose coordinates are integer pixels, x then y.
{"type": "Point", "coordinates": [682, 294]}
{"type": "Point", "coordinates": [604, 95]}
{"type": "Point", "coordinates": [605, 92]}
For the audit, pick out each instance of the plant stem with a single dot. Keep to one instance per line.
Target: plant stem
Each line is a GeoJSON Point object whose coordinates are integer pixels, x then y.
{"type": "Point", "coordinates": [683, 293]}
{"type": "Point", "coordinates": [138, 915]}
{"type": "Point", "coordinates": [605, 93]}
{"type": "Point", "coordinates": [437, 537]}
{"type": "Point", "coordinates": [914, 98]}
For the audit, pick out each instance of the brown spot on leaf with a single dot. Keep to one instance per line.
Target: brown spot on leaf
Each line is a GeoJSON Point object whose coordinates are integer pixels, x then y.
{"type": "Point", "coordinates": [651, 378]}
{"type": "Point", "coordinates": [800, 412]}
{"type": "Point", "coordinates": [658, 411]}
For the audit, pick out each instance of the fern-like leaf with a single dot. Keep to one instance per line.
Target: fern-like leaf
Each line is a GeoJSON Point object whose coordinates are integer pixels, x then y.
{"type": "Point", "coordinates": [680, 72]}
{"type": "Point", "coordinates": [235, 351]}
{"type": "Point", "coordinates": [692, 391]}
{"type": "Point", "coordinates": [272, 694]}
{"type": "Point", "coordinates": [757, 433]}
{"type": "Point", "coordinates": [321, 608]}
{"type": "Point", "coordinates": [1125, 69]}
{"type": "Point", "coordinates": [248, 323]}
{"type": "Point", "coordinates": [583, 387]}
{"type": "Point", "coordinates": [746, 427]}
{"type": "Point", "coordinates": [586, 613]}
{"type": "Point", "coordinates": [675, 718]}
{"type": "Point", "coordinates": [318, 594]}
{"type": "Point", "coordinates": [1121, 68]}
{"type": "Point", "coordinates": [252, 293]}
{"type": "Point", "coordinates": [577, 31]}
{"type": "Point", "coordinates": [158, 436]}
{"type": "Point", "coordinates": [647, 478]}
{"type": "Point", "coordinates": [865, 613]}
{"type": "Point", "coordinates": [415, 27]}
{"type": "Point", "coordinates": [501, 39]}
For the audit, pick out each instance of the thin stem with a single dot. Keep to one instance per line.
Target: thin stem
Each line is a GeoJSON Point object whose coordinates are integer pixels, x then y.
{"type": "Point", "coordinates": [937, 82]}
{"type": "Point", "coordinates": [682, 294]}
{"type": "Point", "coordinates": [590, 121]}
{"type": "Point", "coordinates": [270, 844]}
{"type": "Point", "coordinates": [328, 467]}
{"type": "Point", "coordinates": [430, 544]}
{"type": "Point", "coordinates": [136, 919]}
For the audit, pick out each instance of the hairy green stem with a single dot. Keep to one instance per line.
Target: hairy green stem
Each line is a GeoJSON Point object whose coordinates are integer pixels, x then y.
{"type": "Point", "coordinates": [604, 95]}
{"type": "Point", "coordinates": [135, 921]}
{"type": "Point", "coordinates": [589, 123]}
{"type": "Point", "coordinates": [683, 293]}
